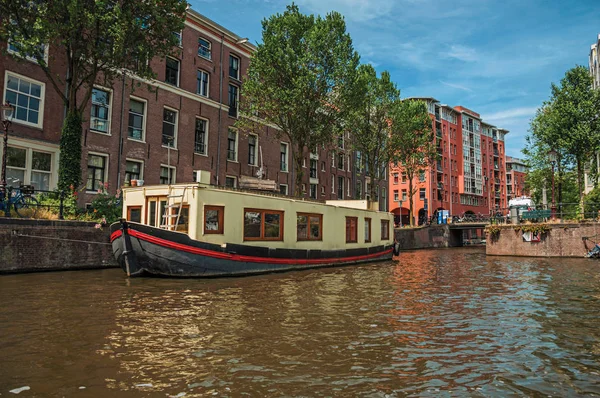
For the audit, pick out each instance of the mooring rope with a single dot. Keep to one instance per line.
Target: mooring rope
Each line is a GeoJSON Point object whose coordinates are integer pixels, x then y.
{"type": "Point", "coordinates": [67, 240]}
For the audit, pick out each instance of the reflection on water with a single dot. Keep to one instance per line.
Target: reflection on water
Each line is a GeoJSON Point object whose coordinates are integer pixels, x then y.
{"type": "Point", "coordinates": [444, 322]}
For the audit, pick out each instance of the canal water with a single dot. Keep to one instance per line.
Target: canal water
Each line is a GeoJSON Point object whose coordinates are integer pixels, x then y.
{"type": "Point", "coordinates": [434, 323]}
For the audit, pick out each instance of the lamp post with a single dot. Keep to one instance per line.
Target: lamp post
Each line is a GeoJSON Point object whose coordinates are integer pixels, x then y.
{"type": "Point", "coordinates": [486, 178]}
{"type": "Point", "coordinates": [7, 114]}
{"type": "Point", "coordinates": [553, 156]}
{"type": "Point", "coordinates": [400, 208]}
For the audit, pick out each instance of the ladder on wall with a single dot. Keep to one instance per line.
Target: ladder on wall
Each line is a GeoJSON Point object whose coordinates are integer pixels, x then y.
{"type": "Point", "coordinates": [174, 201]}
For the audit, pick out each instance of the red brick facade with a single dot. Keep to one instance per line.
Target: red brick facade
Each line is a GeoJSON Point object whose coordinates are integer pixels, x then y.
{"type": "Point", "coordinates": [118, 153]}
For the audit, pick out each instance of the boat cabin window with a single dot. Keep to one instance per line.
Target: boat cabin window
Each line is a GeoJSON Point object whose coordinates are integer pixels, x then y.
{"type": "Point", "coordinates": [213, 219]}
{"type": "Point", "coordinates": [184, 218]}
{"type": "Point", "coordinates": [385, 229]}
{"type": "Point", "coordinates": [367, 229]}
{"type": "Point", "coordinates": [263, 224]}
{"type": "Point", "coordinates": [351, 233]}
{"type": "Point", "coordinates": [134, 213]}
{"type": "Point", "coordinates": [156, 207]}
{"type": "Point", "coordinates": [309, 226]}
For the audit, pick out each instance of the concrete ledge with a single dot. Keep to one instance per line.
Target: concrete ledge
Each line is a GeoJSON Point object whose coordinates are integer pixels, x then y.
{"type": "Point", "coordinates": [50, 245]}
{"type": "Point", "coordinates": [563, 240]}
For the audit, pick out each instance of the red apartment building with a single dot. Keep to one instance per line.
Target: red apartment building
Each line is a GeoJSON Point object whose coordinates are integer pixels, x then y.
{"type": "Point", "coordinates": [181, 131]}
{"type": "Point", "coordinates": [516, 171]}
{"type": "Point", "coordinates": [469, 175]}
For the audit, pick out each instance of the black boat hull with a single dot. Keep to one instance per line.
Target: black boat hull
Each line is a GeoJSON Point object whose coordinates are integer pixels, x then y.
{"type": "Point", "coordinates": [141, 249]}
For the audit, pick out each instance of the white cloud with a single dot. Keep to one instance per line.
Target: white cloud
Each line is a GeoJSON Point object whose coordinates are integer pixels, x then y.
{"type": "Point", "coordinates": [511, 114]}
{"type": "Point", "coordinates": [463, 53]}
{"type": "Point", "coordinates": [457, 86]}
{"type": "Point", "coordinates": [356, 10]}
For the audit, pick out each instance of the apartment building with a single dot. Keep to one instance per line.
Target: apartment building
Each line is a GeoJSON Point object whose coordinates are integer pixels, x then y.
{"type": "Point", "coordinates": [594, 62]}
{"type": "Point", "coordinates": [469, 174]}
{"type": "Point", "coordinates": [181, 130]}
{"type": "Point", "coordinates": [516, 172]}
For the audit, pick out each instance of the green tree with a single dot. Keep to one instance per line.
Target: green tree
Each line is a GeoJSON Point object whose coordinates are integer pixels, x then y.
{"type": "Point", "coordinates": [300, 81]}
{"type": "Point", "coordinates": [412, 135]}
{"type": "Point", "coordinates": [569, 124]}
{"type": "Point", "coordinates": [97, 41]}
{"type": "Point", "coordinates": [369, 121]}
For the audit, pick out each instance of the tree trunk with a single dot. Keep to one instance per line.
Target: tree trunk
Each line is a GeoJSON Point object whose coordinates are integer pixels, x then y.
{"type": "Point", "coordinates": [69, 171]}
{"type": "Point", "coordinates": [299, 174]}
{"type": "Point", "coordinates": [580, 187]}
{"type": "Point", "coordinates": [410, 198]}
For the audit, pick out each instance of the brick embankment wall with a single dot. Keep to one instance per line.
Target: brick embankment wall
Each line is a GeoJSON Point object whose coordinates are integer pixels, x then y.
{"type": "Point", "coordinates": [45, 245]}
{"type": "Point", "coordinates": [563, 240]}
{"type": "Point", "coordinates": [437, 236]}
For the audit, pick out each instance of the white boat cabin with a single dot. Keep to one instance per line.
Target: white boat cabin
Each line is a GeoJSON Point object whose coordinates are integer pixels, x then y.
{"type": "Point", "coordinates": [221, 215]}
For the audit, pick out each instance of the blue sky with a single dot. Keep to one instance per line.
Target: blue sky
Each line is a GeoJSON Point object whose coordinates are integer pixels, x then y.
{"type": "Point", "coordinates": [497, 58]}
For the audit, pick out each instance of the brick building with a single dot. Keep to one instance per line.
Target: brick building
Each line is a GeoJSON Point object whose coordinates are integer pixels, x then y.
{"type": "Point", "coordinates": [469, 176]}
{"type": "Point", "coordinates": [180, 131]}
{"type": "Point", "coordinates": [516, 172]}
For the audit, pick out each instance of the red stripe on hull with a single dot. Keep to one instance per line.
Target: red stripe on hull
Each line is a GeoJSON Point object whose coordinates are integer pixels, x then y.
{"type": "Point", "coordinates": [237, 257]}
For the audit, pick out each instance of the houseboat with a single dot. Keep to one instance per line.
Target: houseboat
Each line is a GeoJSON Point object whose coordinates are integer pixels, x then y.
{"type": "Point", "coordinates": [199, 230]}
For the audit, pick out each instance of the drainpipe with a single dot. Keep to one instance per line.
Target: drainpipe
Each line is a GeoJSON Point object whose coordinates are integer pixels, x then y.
{"type": "Point", "coordinates": [220, 110]}
{"type": "Point", "coordinates": [121, 132]}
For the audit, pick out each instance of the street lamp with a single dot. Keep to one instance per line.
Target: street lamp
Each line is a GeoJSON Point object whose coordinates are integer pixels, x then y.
{"type": "Point", "coordinates": [7, 115]}
{"type": "Point", "coordinates": [553, 156]}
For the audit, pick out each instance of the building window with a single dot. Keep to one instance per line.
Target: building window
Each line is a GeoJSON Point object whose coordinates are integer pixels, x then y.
{"type": "Point", "coordinates": [348, 187]}
{"type": "Point", "coordinates": [313, 191]}
{"type": "Point", "coordinates": [341, 161]}
{"type": "Point", "coordinates": [234, 67]}
{"type": "Point", "coordinates": [313, 168]}
{"type": "Point", "coordinates": [422, 193]}
{"type": "Point", "coordinates": [178, 37]}
{"type": "Point", "coordinates": [309, 226]}
{"type": "Point", "coordinates": [395, 178]}
{"type": "Point", "coordinates": [233, 100]}
{"type": "Point", "coordinates": [202, 83]}
{"type": "Point", "coordinates": [333, 184]}
{"type": "Point", "coordinates": [422, 176]}
{"type": "Point", "coordinates": [136, 120]}
{"type": "Point", "coordinates": [263, 224]}
{"type": "Point", "coordinates": [169, 133]}
{"type": "Point", "coordinates": [97, 166]}
{"type": "Point", "coordinates": [43, 49]}
{"type": "Point", "coordinates": [396, 197]}
{"type": "Point", "coordinates": [341, 187]}
{"type": "Point", "coordinates": [367, 230]}
{"type": "Point", "coordinates": [341, 141]}
{"type": "Point", "coordinates": [351, 233]}
{"type": "Point", "coordinates": [134, 213]}
{"type": "Point", "coordinates": [213, 219]}
{"type": "Point", "coordinates": [167, 175]}
{"type": "Point", "coordinates": [133, 170]}
{"type": "Point", "coordinates": [27, 96]}
{"type": "Point", "coordinates": [252, 139]}
{"type": "Point", "coordinates": [283, 157]}
{"type": "Point", "coordinates": [230, 182]}
{"type": "Point", "coordinates": [385, 229]}
{"type": "Point", "coordinates": [99, 120]}
{"type": "Point", "coordinates": [232, 145]}
{"type": "Point", "coordinates": [172, 71]}
{"type": "Point", "coordinates": [404, 195]}
{"type": "Point", "coordinates": [283, 189]}
{"type": "Point", "coordinates": [200, 137]}
{"type": "Point", "coordinates": [29, 166]}
{"type": "Point", "coordinates": [204, 48]}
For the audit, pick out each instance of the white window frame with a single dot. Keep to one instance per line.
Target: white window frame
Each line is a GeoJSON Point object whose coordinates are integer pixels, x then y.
{"type": "Point", "coordinates": [109, 114]}
{"type": "Point", "coordinates": [255, 149]}
{"type": "Point", "coordinates": [287, 154]}
{"type": "Point", "coordinates": [31, 147]}
{"type": "Point", "coordinates": [333, 183]}
{"type": "Point", "coordinates": [237, 142]}
{"type": "Point", "coordinates": [207, 83]}
{"type": "Point", "coordinates": [27, 57]}
{"type": "Point", "coordinates": [209, 50]}
{"type": "Point", "coordinates": [348, 190]}
{"type": "Point", "coordinates": [107, 163]}
{"type": "Point", "coordinates": [175, 131]}
{"type": "Point", "coordinates": [40, 123]}
{"type": "Point", "coordinates": [145, 119]}
{"type": "Point", "coordinates": [141, 177]}
{"type": "Point", "coordinates": [206, 121]}
{"type": "Point", "coordinates": [172, 171]}
{"type": "Point", "coordinates": [234, 178]}
{"type": "Point", "coordinates": [239, 65]}
{"type": "Point", "coordinates": [180, 36]}
{"type": "Point", "coordinates": [178, 71]}
{"type": "Point", "coordinates": [286, 189]}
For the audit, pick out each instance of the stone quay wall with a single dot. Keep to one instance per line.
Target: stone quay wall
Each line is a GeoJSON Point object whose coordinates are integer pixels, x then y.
{"type": "Point", "coordinates": [434, 236]}
{"type": "Point", "coordinates": [49, 245]}
{"type": "Point", "coordinates": [563, 240]}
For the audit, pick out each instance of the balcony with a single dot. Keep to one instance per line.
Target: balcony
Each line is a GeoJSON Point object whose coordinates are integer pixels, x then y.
{"type": "Point", "coordinates": [497, 194]}
{"type": "Point", "coordinates": [497, 180]}
{"type": "Point", "coordinates": [496, 166]}
{"type": "Point", "coordinates": [496, 153]}
{"type": "Point", "coordinates": [438, 133]}
{"type": "Point", "coordinates": [313, 173]}
{"type": "Point", "coordinates": [439, 167]}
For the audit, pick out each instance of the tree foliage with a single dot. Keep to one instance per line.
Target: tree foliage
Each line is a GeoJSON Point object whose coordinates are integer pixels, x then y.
{"type": "Point", "coordinates": [300, 80]}
{"type": "Point", "coordinates": [412, 136]}
{"type": "Point", "coordinates": [369, 122]}
{"type": "Point", "coordinates": [569, 124]}
{"type": "Point", "coordinates": [97, 40]}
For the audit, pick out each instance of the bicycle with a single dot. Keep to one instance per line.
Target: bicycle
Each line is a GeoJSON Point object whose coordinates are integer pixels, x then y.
{"type": "Point", "coordinates": [20, 199]}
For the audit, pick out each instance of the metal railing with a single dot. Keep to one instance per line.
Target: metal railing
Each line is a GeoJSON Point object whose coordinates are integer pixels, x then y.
{"type": "Point", "coordinates": [29, 191]}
